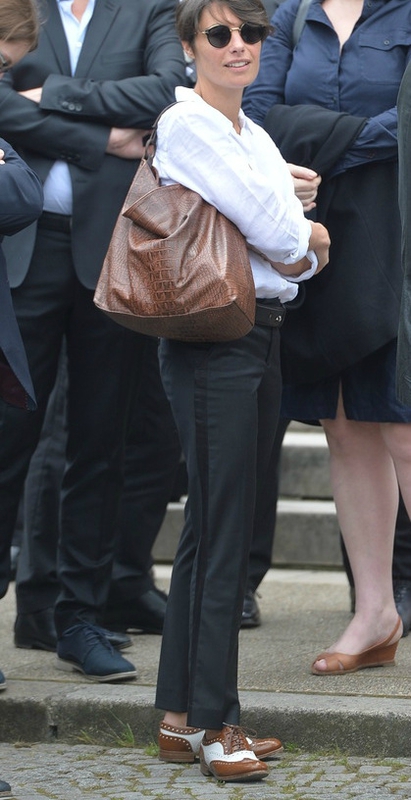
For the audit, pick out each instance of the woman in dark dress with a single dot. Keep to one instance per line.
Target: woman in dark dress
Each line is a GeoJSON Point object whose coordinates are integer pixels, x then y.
{"type": "Point", "coordinates": [340, 346]}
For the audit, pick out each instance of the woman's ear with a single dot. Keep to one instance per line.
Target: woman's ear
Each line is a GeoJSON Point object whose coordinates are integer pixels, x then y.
{"type": "Point", "coordinates": [188, 50]}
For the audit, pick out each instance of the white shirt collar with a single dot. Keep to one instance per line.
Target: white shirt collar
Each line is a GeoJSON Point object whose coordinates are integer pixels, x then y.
{"type": "Point", "coordinates": [183, 93]}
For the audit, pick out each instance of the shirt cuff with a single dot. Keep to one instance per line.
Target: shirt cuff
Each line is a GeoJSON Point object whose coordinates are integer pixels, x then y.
{"type": "Point", "coordinates": [308, 272]}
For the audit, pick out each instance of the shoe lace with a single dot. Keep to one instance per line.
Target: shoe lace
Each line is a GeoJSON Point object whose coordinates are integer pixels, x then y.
{"type": "Point", "coordinates": [237, 738]}
{"type": "Point", "coordinates": [93, 635]}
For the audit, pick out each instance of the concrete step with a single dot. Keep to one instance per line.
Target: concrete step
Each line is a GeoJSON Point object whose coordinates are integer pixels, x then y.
{"type": "Point", "coordinates": [307, 532]}
{"type": "Point", "coordinates": [305, 465]}
{"type": "Point", "coordinates": [367, 712]}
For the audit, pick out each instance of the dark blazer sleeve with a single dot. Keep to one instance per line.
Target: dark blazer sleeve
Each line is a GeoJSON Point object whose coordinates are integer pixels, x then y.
{"type": "Point", "coordinates": [132, 101]}
{"type": "Point", "coordinates": [21, 202]}
{"type": "Point", "coordinates": [21, 193]}
{"type": "Point", "coordinates": [130, 62]}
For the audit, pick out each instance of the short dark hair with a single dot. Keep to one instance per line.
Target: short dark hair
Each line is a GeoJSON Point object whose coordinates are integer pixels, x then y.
{"type": "Point", "coordinates": [20, 21]}
{"type": "Point", "coordinates": [189, 12]}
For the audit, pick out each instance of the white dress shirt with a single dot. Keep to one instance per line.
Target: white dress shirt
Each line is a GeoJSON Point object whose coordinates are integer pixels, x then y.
{"type": "Point", "coordinates": [58, 195]}
{"type": "Point", "coordinates": [245, 177]}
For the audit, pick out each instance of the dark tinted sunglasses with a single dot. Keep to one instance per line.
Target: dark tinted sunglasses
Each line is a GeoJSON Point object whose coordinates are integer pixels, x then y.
{"type": "Point", "coordinates": [220, 35]}
{"type": "Point", "coordinates": [4, 64]}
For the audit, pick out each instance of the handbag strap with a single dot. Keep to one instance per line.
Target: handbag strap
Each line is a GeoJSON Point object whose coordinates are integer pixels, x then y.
{"type": "Point", "coordinates": [300, 20]}
{"type": "Point", "coordinates": [151, 144]}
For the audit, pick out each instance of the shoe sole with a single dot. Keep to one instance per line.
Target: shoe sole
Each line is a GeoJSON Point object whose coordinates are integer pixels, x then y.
{"type": "Point", "coordinates": [177, 757]}
{"type": "Point", "coordinates": [121, 646]}
{"type": "Point", "coordinates": [3, 686]}
{"type": "Point", "coordinates": [35, 646]}
{"type": "Point", "coordinates": [71, 666]}
{"type": "Point", "coordinates": [6, 796]}
{"type": "Point", "coordinates": [189, 758]}
{"type": "Point", "coordinates": [134, 629]}
{"type": "Point", "coordinates": [271, 754]}
{"type": "Point", "coordinates": [241, 776]}
{"type": "Point", "coordinates": [250, 624]}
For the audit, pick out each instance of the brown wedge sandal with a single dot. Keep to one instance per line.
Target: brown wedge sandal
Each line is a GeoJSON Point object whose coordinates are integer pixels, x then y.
{"type": "Point", "coordinates": [381, 654]}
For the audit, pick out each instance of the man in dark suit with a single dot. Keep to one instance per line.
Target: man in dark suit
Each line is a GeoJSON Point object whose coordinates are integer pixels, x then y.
{"type": "Point", "coordinates": [78, 109]}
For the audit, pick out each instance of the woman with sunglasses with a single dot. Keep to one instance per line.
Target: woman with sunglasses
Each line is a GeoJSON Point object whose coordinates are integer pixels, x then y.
{"type": "Point", "coordinates": [224, 396]}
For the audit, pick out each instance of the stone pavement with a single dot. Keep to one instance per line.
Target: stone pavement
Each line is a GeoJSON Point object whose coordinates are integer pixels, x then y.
{"type": "Point", "coordinates": [346, 736]}
{"type": "Point", "coordinates": [65, 772]}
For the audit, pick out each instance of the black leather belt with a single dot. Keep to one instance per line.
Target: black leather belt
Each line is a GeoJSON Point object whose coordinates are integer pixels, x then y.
{"type": "Point", "coordinates": [272, 313]}
{"type": "Point", "coordinates": [55, 222]}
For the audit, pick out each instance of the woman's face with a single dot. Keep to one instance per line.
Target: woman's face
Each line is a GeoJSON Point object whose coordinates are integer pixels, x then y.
{"type": "Point", "coordinates": [234, 66]}
{"type": "Point", "coordinates": [11, 53]}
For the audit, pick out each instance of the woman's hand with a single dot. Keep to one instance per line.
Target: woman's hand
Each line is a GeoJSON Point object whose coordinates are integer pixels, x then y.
{"type": "Point", "coordinates": [306, 183]}
{"type": "Point", "coordinates": [320, 243]}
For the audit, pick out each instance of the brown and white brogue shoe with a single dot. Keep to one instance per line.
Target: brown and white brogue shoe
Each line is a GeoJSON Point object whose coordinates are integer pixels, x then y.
{"type": "Point", "coordinates": [265, 748]}
{"type": "Point", "coordinates": [179, 745]}
{"type": "Point", "coordinates": [228, 757]}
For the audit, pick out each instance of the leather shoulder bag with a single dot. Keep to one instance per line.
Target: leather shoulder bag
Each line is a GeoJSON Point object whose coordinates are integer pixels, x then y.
{"type": "Point", "coordinates": [176, 267]}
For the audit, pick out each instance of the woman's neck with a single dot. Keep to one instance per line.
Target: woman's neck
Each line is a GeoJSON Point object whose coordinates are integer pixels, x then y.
{"type": "Point", "coordinates": [229, 103]}
{"type": "Point", "coordinates": [343, 14]}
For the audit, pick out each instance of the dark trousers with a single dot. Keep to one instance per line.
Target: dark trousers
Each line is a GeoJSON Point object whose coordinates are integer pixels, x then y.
{"type": "Point", "coordinates": [266, 514]}
{"type": "Point", "coordinates": [152, 457]}
{"type": "Point", "coordinates": [225, 399]}
{"type": "Point", "coordinates": [103, 361]}
{"type": "Point", "coordinates": [37, 584]}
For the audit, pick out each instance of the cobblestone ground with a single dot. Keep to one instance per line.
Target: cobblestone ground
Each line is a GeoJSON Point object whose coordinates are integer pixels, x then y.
{"type": "Point", "coordinates": [63, 772]}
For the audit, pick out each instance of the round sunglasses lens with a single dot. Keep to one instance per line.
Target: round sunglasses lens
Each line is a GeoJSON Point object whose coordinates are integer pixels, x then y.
{"type": "Point", "coordinates": [251, 34]}
{"type": "Point", "coordinates": [219, 36]}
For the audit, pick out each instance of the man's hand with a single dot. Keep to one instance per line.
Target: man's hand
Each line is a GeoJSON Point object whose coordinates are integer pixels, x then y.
{"type": "Point", "coordinates": [2, 161]}
{"type": "Point", "coordinates": [33, 94]}
{"type": "Point", "coordinates": [306, 183]}
{"type": "Point", "coordinates": [126, 142]}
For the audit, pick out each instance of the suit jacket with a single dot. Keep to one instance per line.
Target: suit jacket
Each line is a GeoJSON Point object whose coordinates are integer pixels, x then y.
{"type": "Point", "coordinates": [130, 63]}
{"type": "Point", "coordinates": [351, 308]}
{"type": "Point", "coordinates": [21, 202]}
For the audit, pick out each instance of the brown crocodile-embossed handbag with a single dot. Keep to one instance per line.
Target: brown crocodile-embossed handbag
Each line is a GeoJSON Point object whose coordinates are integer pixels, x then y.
{"type": "Point", "coordinates": [176, 267]}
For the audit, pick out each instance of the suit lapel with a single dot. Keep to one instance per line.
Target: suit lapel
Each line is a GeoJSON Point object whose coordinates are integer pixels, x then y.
{"type": "Point", "coordinates": [100, 23]}
{"type": "Point", "coordinates": [55, 33]}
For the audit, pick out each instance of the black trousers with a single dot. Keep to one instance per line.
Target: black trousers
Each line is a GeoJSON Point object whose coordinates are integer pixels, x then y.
{"type": "Point", "coordinates": [37, 584]}
{"type": "Point", "coordinates": [225, 398]}
{"type": "Point", "coordinates": [152, 456]}
{"type": "Point", "coordinates": [103, 362]}
{"type": "Point", "coordinates": [151, 460]}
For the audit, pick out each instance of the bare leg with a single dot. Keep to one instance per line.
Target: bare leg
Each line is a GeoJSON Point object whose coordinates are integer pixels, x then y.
{"type": "Point", "coordinates": [177, 720]}
{"type": "Point", "coordinates": [180, 721]}
{"type": "Point", "coordinates": [366, 496]}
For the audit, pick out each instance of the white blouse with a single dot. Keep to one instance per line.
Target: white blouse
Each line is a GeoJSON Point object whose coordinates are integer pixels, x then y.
{"type": "Point", "coordinates": [243, 176]}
